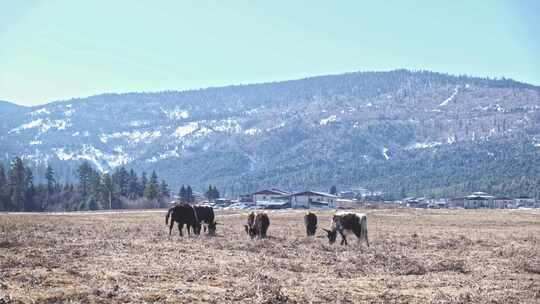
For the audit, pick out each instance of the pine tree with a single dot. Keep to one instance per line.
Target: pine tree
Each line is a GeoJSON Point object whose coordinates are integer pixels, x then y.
{"type": "Point", "coordinates": [51, 181]}
{"type": "Point", "coordinates": [212, 193]}
{"type": "Point", "coordinates": [83, 173]}
{"type": "Point", "coordinates": [333, 190]}
{"type": "Point", "coordinates": [3, 189]}
{"type": "Point", "coordinates": [17, 187]}
{"type": "Point", "coordinates": [209, 193]}
{"type": "Point", "coordinates": [108, 190]}
{"type": "Point", "coordinates": [121, 179]}
{"type": "Point", "coordinates": [30, 204]}
{"type": "Point", "coordinates": [189, 195]}
{"type": "Point", "coordinates": [216, 194]}
{"type": "Point", "coordinates": [164, 189]}
{"type": "Point", "coordinates": [182, 194]}
{"type": "Point", "coordinates": [144, 181]}
{"type": "Point", "coordinates": [152, 187]}
{"type": "Point", "coordinates": [133, 185]}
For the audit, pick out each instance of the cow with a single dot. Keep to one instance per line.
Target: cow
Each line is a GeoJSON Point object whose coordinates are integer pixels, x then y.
{"type": "Point", "coordinates": [310, 220]}
{"type": "Point", "coordinates": [183, 214]}
{"type": "Point", "coordinates": [348, 223]}
{"type": "Point", "coordinates": [257, 225]}
{"type": "Point", "coordinates": [205, 217]}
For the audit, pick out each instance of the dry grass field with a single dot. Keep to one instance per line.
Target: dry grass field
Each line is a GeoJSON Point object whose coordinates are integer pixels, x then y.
{"type": "Point", "coordinates": [416, 256]}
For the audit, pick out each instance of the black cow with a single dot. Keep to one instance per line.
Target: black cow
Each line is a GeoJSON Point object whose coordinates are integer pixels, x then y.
{"type": "Point", "coordinates": [205, 216]}
{"type": "Point", "coordinates": [310, 220]}
{"type": "Point", "coordinates": [183, 214]}
{"type": "Point", "coordinates": [257, 225]}
{"type": "Point", "coordinates": [347, 223]}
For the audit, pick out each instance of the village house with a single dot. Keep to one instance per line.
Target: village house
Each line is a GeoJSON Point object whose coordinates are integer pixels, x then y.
{"type": "Point", "coordinates": [343, 203]}
{"type": "Point", "coordinates": [524, 201]}
{"type": "Point", "coordinates": [502, 203]}
{"type": "Point", "coordinates": [308, 199]}
{"type": "Point", "coordinates": [268, 195]}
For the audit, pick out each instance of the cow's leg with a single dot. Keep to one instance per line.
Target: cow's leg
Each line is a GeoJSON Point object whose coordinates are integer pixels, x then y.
{"type": "Point", "coordinates": [367, 241]}
{"type": "Point", "coordinates": [171, 227]}
{"type": "Point", "coordinates": [343, 238]}
{"type": "Point", "coordinates": [188, 226]}
{"type": "Point", "coordinates": [180, 227]}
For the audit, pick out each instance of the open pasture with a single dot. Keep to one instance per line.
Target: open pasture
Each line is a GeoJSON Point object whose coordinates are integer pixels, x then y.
{"type": "Point", "coordinates": [416, 256]}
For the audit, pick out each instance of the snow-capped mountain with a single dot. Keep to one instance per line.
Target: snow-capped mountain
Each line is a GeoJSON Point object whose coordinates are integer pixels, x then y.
{"type": "Point", "coordinates": [400, 129]}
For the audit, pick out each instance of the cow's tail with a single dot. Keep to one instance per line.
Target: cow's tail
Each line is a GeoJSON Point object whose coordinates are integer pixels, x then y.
{"type": "Point", "coordinates": [167, 216]}
{"type": "Point", "coordinates": [363, 229]}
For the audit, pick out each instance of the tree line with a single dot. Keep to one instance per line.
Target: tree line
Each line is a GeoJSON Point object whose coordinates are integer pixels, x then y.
{"type": "Point", "coordinates": [93, 191]}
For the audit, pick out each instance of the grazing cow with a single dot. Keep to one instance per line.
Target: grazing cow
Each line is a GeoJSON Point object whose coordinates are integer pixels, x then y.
{"type": "Point", "coordinates": [205, 216]}
{"type": "Point", "coordinates": [183, 214]}
{"type": "Point", "coordinates": [310, 220]}
{"type": "Point", "coordinates": [257, 225]}
{"type": "Point", "coordinates": [348, 223]}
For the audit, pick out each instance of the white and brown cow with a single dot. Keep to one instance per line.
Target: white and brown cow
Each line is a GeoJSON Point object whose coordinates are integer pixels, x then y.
{"type": "Point", "coordinates": [348, 223]}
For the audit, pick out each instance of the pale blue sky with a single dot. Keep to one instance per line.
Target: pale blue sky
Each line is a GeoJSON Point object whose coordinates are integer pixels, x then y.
{"type": "Point", "coordinates": [57, 49]}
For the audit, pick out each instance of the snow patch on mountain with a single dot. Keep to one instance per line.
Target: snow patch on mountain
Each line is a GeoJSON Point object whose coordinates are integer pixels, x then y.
{"type": "Point", "coordinates": [164, 155]}
{"type": "Point", "coordinates": [44, 125]}
{"type": "Point", "coordinates": [35, 142]}
{"type": "Point", "coordinates": [252, 131]}
{"type": "Point", "coordinates": [328, 120]}
{"type": "Point", "coordinates": [69, 112]}
{"type": "Point", "coordinates": [424, 145]}
{"type": "Point", "coordinates": [42, 111]}
{"type": "Point", "coordinates": [385, 153]}
{"type": "Point", "coordinates": [138, 123]}
{"type": "Point", "coordinates": [33, 124]}
{"type": "Point", "coordinates": [228, 125]}
{"type": "Point", "coordinates": [186, 129]}
{"type": "Point", "coordinates": [176, 113]}
{"type": "Point", "coordinates": [100, 159]}
{"type": "Point", "coordinates": [132, 137]}
{"type": "Point", "coordinates": [279, 126]}
{"type": "Point", "coordinates": [445, 103]}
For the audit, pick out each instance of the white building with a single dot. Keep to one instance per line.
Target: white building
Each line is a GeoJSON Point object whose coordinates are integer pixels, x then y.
{"type": "Point", "coordinates": [268, 195]}
{"type": "Point", "coordinates": [308, 199]}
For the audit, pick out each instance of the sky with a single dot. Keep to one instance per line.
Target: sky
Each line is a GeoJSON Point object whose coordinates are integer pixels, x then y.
{"type": "Point", "coordinates": [59, 49]}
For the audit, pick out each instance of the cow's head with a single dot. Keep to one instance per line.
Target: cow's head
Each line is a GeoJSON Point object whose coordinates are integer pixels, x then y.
{"type": "Point", "coordinates": [251, 231]}
{"type": "Point", "coordinates": [212, 228]}
{"type": "Point", "coordinates": [331, 234]}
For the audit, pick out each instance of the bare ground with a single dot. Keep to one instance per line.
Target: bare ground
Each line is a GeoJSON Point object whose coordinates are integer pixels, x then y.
{"type": "Point", "coordinates": [416, 256]}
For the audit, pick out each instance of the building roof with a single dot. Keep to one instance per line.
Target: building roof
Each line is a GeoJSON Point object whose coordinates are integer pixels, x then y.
{"type": "Point", "coordinates": [477, 198]}
{"type": "Point", "coordinates": [272, 191]}
{"type": "Point", "coordinates": [314, 193]}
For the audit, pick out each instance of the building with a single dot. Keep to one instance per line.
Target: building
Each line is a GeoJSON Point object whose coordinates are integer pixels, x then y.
{"type": "Point", "coordinates": [478, 200]}
{"type": "Point", "coordinates": [502, 203]}
{"type": "Point", "coordinates": [342, 203]}
{"type": "Point", "coordinates": [308, 199]}
{"type": "Point", "coordinates": [268, 195]}
{"type": "Point", "coordinates": [524, 201]}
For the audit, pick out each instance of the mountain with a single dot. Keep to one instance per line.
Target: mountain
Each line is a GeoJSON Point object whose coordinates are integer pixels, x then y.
{"type": "Point", "coordinates": [401, 131]}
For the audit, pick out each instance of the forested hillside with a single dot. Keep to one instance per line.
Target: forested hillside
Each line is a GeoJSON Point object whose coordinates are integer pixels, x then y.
{"type": "Point", "coordinates": [418, 133]}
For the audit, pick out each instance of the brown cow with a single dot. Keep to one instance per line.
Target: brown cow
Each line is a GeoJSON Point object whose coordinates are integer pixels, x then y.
{"type": "Point", "coordinates": [257, 225]}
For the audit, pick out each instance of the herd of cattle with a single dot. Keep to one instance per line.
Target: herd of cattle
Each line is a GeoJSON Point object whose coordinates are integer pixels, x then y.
{"type": "Point", "coordinates": [197, 217]}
